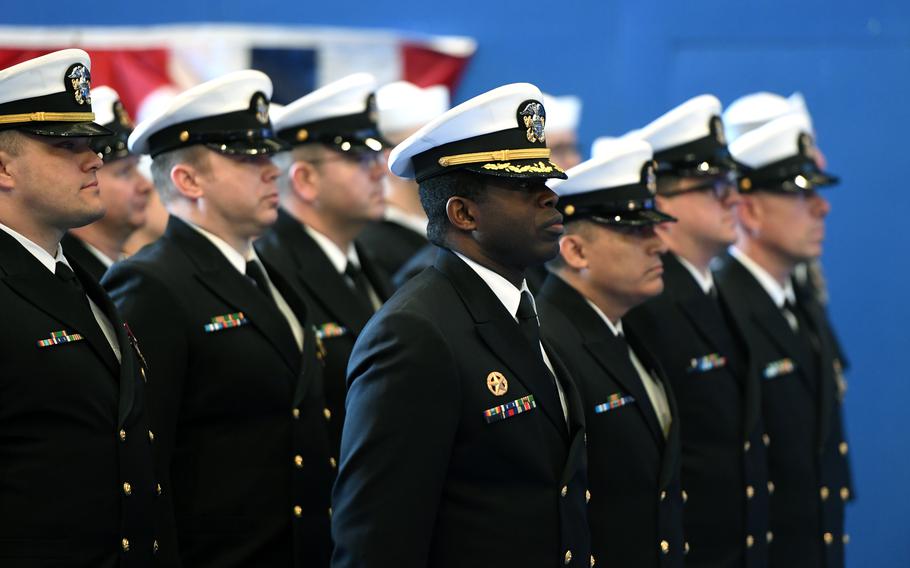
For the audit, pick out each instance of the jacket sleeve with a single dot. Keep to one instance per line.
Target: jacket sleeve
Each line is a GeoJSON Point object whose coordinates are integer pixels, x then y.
{"type": "Point", "coordinates": [403, 409]}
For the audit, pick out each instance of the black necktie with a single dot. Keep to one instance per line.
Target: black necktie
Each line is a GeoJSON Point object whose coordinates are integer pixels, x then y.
{"type": "Point", "coordinates": [65, 273]}
{"type": "Point", "coordinates": [527, 320]}
{"type": "Point", "coordinates": [361, 284]}
{"type": "Point", "coordinates": [256, 273]}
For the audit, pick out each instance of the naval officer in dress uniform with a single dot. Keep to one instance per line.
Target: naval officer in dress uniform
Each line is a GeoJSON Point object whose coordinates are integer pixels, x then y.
{"type": "Point", "coordinates": [330, 183]}
{"type": "Point", "coordinates": [792, 351]}
{"type": "Point", "coordinates": [403, 108]}
{"type": "Point", "coordinates": [463, 445]}
{"type": "Point", "coordinates": [610, 262]}
{"type": "Point", "coordinates": [125, 192]}
{"type": "Point", "coordinates": [724, 466]}
{"type": "Point", "coordinates": [78, 486]}
{"type": "Point", "coordinates": [244, 449]}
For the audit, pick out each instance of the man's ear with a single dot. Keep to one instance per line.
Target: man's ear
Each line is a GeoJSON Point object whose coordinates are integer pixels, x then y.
{"type": "Point", "coordinates": [749, 214]}
{"type": "Point", "coordinates": [7, 182]}
{"type": "Point", "coordinates": [304, 179]}
{"type": "Point", "coordinates": [461, 212]}
{"type": "Point", "coordinates": [573, 251]}
{"type": "Point", "coordinates": [186, 180]}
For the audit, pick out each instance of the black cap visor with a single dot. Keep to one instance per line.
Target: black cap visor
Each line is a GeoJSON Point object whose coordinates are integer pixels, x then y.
{"type": "Point", "coordinates": [62, 129]}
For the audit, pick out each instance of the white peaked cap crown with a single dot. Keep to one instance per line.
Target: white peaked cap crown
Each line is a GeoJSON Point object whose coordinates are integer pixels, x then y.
{"type": "Point", "coordinates": [774, 141]}
{"type": "Point", "coordinates": [563, 113]}
{"type": "Point", "coordinates": [229, 93]}
{"type": "Point", "coordinates": [687, 122]}
{"type": "Point", "coordinates": [618, 163]}
{"type": "Point", "coordinates": [404, 106]}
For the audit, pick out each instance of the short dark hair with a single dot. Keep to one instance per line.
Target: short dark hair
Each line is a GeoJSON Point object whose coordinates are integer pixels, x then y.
{"type": "Point", "coordinates": [436, 191]}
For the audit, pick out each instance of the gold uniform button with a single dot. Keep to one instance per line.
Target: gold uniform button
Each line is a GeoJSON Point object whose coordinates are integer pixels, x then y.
{"type": "Point", "coordinates": [770, 488]}
{"type": "Point", "coordinates": [663, 495]}
{"type": "Point", "coordinates": [295, 413]}
{"type": "Point", "coordinates": [593, 561]}
{"type": "Point", "coordinates": [843, 448]}
{"type": "Point", "coordinates": [750, 541]}
{"type": "Point", "coordinates": [298, 511]}
{"type": "Point", "coordinates": [845, 539]}
{"type": "Point", "coordinates": [564, 491]}
{"type": "Point", "coordinates": [747, 446]}
{"type": "Point", "coordinates": [844, 493]}
{"type": "Point", "coordinates": [151, 436]}
{"type": "Point", "coordinates": [127, 489]}
{"type": "Point", "coordinates": [766, 440]}
{"type": "Point", "coordinates": [685, 496]}
{"type": "Point", "coordinates": [123, 435]}
{"type": "Point", "coordinates": [587, 496]}
{"type": "Point", "coordinates": [750, 492]}
{"type": "Point", "coordinates": [769, 537]}
{"type": "Point", "coordinates": [298, 461]}
{"type": "Point", "coordinates": [568, 557]}
{"type": "Point", "coordinates": [829, 538]}
{"type": "Point", "coordinates": [154, 547]}
{"type": "Point", "coordinates": [158, 489]}
{"type": "Point", "coordinates": [824, 492]}
{"type": "Point", "coordinates": [665, 547]}
{"type": "Point", "coordinates": [327, 413]}
{"type": "Point", "coordinates": [184, 136]}
{"type": "Point", "coordinates": [125, 545]}
{"type": "Point", "coordinates": [685, 548]}
{"type": "Point", "coordinates": [333, 463]}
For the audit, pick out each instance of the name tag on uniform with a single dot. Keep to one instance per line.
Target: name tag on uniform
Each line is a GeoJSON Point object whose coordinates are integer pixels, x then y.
{"type": "Point", "coordinates": [777, 368]}
{"type": "Point", "coordinates": [226, 321]}
{"type": "Point", "coordinates": [509, 409]}
{"type": "Point", "coordinates": [615, 401]}
{"type": "Point", "coordinates": [59, 337]}
{"type": "Point", "coordinates": [329, 330]}
{"type": "Point", "coordinates": [706, 363]}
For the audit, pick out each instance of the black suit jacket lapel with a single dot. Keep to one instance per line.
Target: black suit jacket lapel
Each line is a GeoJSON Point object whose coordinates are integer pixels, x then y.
{"type": "Point", "coordinates": [610, 352]}
{"type": "Point", "coordinates": [378, 279]}
{"type": "Point", "coordinates": [32, 281]}
{"type": "Point", "coordinates": [222, 279]}
{"type": "Point", "coordinates": [318, 274]}
{"type": "Point", "coordinates": [768, 318]}
{"type": "Point", "coordinates": [827, 388]}
{"type": "Point", "coordinates": [673, 448]}
{"type": "Point", "coordinates": [128, 361]}
{"type": "Point", "coordinates": [692, 302]}
{"type": "Point", "coordinates": [76, 252]}
{"type": "Point", "coordinates": [500, 332]}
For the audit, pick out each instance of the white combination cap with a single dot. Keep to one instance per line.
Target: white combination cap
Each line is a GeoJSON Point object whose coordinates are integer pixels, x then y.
{"type": "Point", "coordinates": [500, 133]}
{"type": "Point", "coordinates": [229, 114]}
{"type": "Point", "coordinates": [616, 187]}
{"type": "Point", "coordinates": [50, 96]}
{"type": "Point", "coordinates": [753, 110]}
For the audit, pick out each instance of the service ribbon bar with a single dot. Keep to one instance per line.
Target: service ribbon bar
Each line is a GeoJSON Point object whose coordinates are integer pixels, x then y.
{"type": "Point", "coordinates": [225, 322]}
{"type": "Point", "coordinates": [615, 401]}
{"type": "Point", "coordinates": [58, 337]}
{"type": "Point", "coordinates": [330, 329]}
{"type": "Point", "coordinates": [707, 363]}
{"type": "Point", "coordinates": [509, 409]}
{"type": "Point", "coordinates": [780, 367]}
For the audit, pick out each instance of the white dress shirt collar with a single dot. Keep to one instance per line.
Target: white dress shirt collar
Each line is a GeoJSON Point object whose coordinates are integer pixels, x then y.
{"type": "Point", "coordinates": [705, 280]}
{"type": "Point", "coordinates": [103, 258]}
{"type": "Point", "coordinates": [337, 257]}
{"type": "Point", "coordinates": [236, 258]}
{"type": "Point", "coordinates": [779, 294]}
{"type": "Point", "coordinates": [45, 258]}
{"type": "Point", "coordinates": [508, 294]}
{"type": "Point", "coordinates": [616, 328]}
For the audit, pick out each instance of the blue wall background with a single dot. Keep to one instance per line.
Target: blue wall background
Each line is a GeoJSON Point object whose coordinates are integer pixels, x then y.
{"type": "Point", "coordinates": [630, 62]}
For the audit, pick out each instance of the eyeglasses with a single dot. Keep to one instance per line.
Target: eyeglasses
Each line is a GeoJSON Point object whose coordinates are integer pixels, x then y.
{"type": "Point", "coordinates": [722, 187]}
{"type": "Point", "coordinates": [364, 160]}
